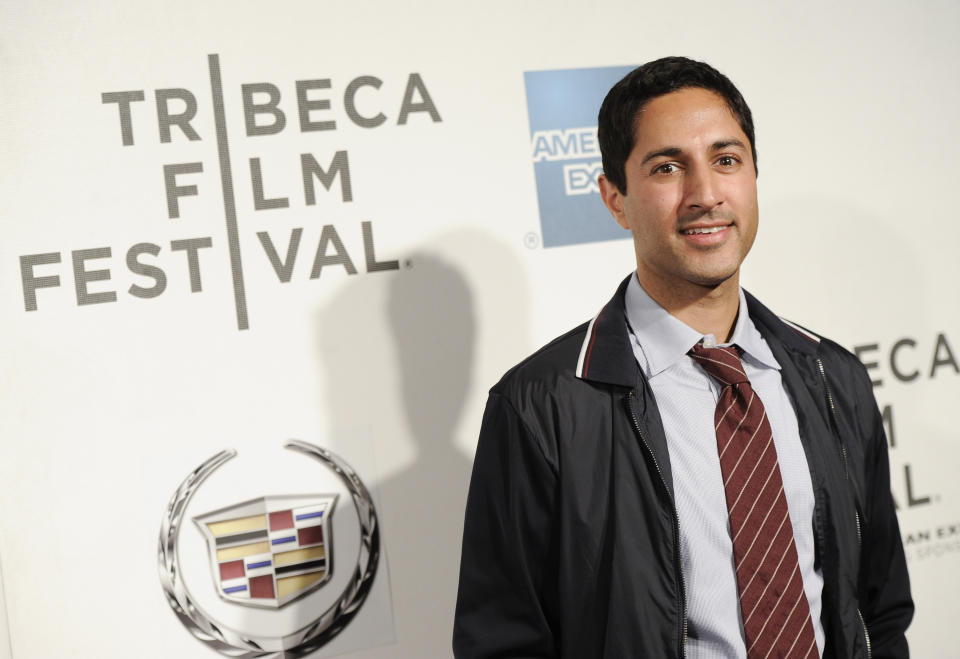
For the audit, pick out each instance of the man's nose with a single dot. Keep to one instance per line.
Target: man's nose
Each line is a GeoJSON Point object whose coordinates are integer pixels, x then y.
{"type": "Point", "coordinates": [701, 190]}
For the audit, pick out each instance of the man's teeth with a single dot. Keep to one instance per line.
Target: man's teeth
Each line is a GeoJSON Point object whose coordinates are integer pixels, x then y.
{"type": "Point", "coordinates": [703, 230]}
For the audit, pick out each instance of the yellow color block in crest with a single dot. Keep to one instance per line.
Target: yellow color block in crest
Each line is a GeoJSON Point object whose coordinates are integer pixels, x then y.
{"type": "Point", "coordinates": [233, 553]}
{"type": "Point", "coordinates": [231, 526]}
{"type": "Point", "coordinates": [299, 556]}
{"type": "Point", "coordinates": [288, 585]}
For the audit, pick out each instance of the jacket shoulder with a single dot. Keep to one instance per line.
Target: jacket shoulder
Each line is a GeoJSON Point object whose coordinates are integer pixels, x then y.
{"type": "Point", "coordinates": [532, 393]}
{"type": "Point", "coordinates": [849, 384]}
{"type": "Point", "coordinates": [548, 366]}
{"type": "Point", "coordinates": [836, 358]}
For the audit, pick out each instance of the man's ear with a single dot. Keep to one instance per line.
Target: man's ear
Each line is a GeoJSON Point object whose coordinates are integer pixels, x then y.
{"type": "Point", "coordinates": [613, 199]}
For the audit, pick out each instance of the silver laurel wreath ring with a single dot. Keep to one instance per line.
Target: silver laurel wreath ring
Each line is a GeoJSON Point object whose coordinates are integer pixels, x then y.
{"type": "Point", "coordinates": [305, 640]}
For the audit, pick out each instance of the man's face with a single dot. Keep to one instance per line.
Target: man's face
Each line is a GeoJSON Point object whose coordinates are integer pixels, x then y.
{"type": "Point", "coordinates": [691, 198]}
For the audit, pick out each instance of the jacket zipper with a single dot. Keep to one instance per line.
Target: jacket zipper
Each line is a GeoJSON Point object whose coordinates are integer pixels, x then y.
{"type": "Point", "coordinates": [836, 424]}
{"type": "Point", "coordinates": [676, 530]}
{"type": "Point", "coordinates": [843, 446]}
{"type": "Point", "coordinates": [846, 473]}
{"type": "Point", "coordinates": [866, 635]}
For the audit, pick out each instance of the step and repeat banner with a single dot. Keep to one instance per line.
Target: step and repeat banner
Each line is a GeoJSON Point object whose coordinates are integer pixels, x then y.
{"type": "Point", "coordinates": [260, 264]}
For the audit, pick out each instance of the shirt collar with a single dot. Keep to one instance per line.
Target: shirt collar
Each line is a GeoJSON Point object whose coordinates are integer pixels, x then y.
{"type": "Point", "coordinates": [748, 337]}
{"type": "Point", "coordinates": [665, 339]}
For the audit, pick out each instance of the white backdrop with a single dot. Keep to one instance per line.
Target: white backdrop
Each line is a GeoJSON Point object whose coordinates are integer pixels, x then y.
{"type": "Point", "coordinates": [107, 405]}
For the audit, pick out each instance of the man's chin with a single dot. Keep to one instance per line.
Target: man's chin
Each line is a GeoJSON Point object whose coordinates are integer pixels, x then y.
{"type": "Point", "coordinates": [713, 281]}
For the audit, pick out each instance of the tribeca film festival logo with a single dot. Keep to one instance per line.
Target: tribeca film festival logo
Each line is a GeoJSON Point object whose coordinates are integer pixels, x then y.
{"type": "Point", "coordinates": [250, 579]}
{"type": "Point", "coordinates": [562, 107]}
{"type": "Point", "coordinates": [916, 362]}
{"type": "Point", "coordinates": [265, 112]}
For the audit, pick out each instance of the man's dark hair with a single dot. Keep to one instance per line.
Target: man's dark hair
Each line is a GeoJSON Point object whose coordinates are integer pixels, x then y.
{"type": "Point", "coordinates": [616, 124]}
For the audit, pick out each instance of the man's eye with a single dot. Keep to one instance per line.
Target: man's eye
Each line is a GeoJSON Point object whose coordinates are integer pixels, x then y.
{"type": "Point", "coordinates": [726, 161]}
{"type": "Point", "coordinates": [665, 168]}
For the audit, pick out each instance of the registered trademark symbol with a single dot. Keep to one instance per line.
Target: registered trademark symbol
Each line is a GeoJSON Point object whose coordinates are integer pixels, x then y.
{"type": "Point", "coordinates": [531, 240]}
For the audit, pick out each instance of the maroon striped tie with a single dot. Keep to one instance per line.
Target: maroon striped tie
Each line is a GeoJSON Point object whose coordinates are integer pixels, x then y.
{"type": "Point", "coordinates": [773, 605]}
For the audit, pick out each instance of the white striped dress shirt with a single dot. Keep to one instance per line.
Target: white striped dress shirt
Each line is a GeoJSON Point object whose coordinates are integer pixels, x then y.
{"type": "Point", "coordinates": [687, 398]}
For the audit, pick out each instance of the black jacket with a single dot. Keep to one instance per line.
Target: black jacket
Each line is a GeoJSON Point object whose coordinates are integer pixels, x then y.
{"type": "Point", "coordinates": [571, 538]}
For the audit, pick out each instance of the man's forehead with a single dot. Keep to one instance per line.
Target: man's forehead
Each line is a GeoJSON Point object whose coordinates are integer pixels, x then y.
{"type": "Point", "coordinates": [688, 112]}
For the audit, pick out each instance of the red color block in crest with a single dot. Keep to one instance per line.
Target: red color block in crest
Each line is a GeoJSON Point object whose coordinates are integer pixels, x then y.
{"type": "Point", "coordinates": [231, 570]}
{"type": "Point", "coordinates": [310, 535]}
{"type": "Point", "coordinates": [281, 520]}
{"type": "Point", "coordinates": [262, 587]}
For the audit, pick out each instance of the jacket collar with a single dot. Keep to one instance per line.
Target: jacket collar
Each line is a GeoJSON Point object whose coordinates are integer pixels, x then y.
{"type": "Point", "coordinates": [789, 334]}
{"type": "Point", "coordinates": [606, 354]}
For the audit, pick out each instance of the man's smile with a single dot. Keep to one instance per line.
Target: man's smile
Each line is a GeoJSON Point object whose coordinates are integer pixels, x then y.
{"type": "Point", "coordinates": [699, 230]}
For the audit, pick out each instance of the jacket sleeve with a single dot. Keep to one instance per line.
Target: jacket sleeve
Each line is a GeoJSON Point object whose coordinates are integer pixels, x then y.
{"type": "Point", "coordinates": [884, 585]}
{"type": "Point", "coordinates": [503, 605]}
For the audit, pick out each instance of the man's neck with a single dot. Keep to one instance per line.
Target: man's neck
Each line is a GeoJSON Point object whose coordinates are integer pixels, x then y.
{"type": "Point", "coordinates": [708, 310]}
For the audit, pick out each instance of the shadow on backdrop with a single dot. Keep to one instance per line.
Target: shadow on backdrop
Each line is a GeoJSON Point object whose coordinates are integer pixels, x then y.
{"type": "Point", "coordinates": [402, 348]}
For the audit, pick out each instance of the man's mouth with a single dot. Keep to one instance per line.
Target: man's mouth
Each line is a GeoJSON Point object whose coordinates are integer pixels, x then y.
{"type": "Point", "coordinates": [698, 230]}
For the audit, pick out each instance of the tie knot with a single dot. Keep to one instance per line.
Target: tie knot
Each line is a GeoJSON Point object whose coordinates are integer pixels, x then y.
{"type": "Point", "coordinates": [722, 364]}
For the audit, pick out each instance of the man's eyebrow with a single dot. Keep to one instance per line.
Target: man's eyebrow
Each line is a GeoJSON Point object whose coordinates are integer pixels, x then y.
{"type": "Point", "coordinates": [668, 152]}
{"type": "Point", "coordinates": [719, 145]}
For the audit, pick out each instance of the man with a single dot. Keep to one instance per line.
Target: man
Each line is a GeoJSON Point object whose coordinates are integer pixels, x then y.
{"type": "Point", "coordinates": [686, 475]}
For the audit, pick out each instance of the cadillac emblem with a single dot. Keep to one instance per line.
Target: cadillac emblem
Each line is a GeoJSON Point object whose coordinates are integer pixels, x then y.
{"type": "Point", "coordinates": [270, 562]}
{"type": "Point", "coordinates": [271, 550]}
